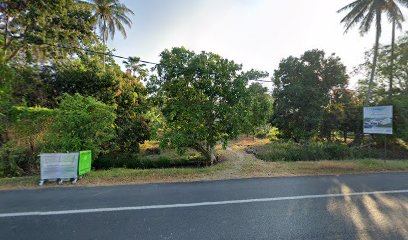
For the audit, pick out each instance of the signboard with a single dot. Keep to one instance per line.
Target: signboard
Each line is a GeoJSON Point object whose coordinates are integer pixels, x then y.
{"type": "Point", "coordinates": [59, 165]}
{"type": "Point", "coordinates": [378, 120]}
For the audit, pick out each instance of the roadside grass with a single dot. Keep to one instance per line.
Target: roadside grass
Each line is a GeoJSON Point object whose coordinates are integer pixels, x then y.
{"type": "Point", "coordinates": [315, 151]}
{"type": "Point", "coordinates": [18, 182]}
{"type": "Point", "coordinates": [118, 176]}
{"type": "Point", "coordinates": [122, 175]}
{"type": "Point", "coordinates": [325, 167]}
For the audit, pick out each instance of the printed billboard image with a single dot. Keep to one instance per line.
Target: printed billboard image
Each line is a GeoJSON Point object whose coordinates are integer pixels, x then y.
{"type": "Point", "coordinates": [378, 120]}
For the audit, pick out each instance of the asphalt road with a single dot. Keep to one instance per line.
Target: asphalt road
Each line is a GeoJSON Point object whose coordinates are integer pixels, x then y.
{"type": "Point", "coordinates": [372, 206]}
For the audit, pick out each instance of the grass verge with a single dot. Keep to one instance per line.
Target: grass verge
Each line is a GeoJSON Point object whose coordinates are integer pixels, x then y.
{"type": "Point", "coordinates": [250, 167]}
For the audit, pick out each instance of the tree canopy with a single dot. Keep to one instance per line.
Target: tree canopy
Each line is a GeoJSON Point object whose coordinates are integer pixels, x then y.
{"type": "Point", "coordinates": [302, 88]}
{"type": "Point", "coordinates": [201, 98]}
{"type": "Point", "coordinates": [40, 30]}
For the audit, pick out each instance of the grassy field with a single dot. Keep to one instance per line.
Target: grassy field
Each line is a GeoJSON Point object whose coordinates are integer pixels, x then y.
{"type": "Point", "coordinates": [235, 163]}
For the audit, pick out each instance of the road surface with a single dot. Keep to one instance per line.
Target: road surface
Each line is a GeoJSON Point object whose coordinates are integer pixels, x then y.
{"type": "Point", "coordinates": [370, 206]}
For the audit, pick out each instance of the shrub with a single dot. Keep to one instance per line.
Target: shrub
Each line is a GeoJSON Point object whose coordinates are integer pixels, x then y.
{"type": "Point", "coordinates": [400, 123]}
{"type": "Point", "coordinates": [80, 123]}
{"type": "Point", "coordinates": [136, 161]}
{"type": "Point", "coordinates": [290, 151]}
{"type": "Point", "coordinates": [15, 161]}
{"type": "Point", "coordinates": [25, 131]}
{"type": "Point", "coordinates": [273, 134]}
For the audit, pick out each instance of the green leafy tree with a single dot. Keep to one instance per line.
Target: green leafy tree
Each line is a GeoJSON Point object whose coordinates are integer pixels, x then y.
{"type": "Point", "coordinates": [28, 87]}
{"type": "Point", "coordinates": [363, 13]}
{"type": "Point", "coordinates": [343, 114]}
{"type": "Point", "coordinates": [302, 90]}
{"type": "Point", "coordinates": [110, 15]}
{"type": "Point", "coordinates": [43, 29]}
{"type": "Point", "coordinates": [42, 85]}
{"type": "Point", "coordinates": [400, 121]}
{"type": "Point", "coordinates": [258, 108]}
{"type": "Point", "coordinates": [200, 97]}
{"type": "Point", "coordinates": [82, 76]}
{"type": "Point", "coordinates": [80, 123]}
{"type": "Point", "coordinates": [6, 100]}
{"type": "Point", "coordinates": [132, 124]}
{"type": "Point", "coordinates": [399, 69]}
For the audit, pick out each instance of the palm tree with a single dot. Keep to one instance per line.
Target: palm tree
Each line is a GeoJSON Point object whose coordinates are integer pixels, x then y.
{"type": "Point", "coordinates": [363, 13]}
{"type": "Point", "coordinates": [110, 15]}
{"type": "Point", "coordinates": [395, 24]}
{"type": "Point", "coordinates": [134, 66]}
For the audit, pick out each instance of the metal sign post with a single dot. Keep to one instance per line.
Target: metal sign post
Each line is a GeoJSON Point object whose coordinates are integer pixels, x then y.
{"type": "Point", "coordinates": [378, 120]}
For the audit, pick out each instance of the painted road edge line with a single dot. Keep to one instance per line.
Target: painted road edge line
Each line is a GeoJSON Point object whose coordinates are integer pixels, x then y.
{"type": "Point", "coordinates": [185, 205]}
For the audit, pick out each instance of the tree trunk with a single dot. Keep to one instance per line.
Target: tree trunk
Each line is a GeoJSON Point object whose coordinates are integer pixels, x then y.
{"type": "Point", "coordinates": [212, 155]}
{"type": "Point", "coordinates": [392, 57]}
{"type": "Point", "coordinates": [104, 44]}
{"type": "Point", "coordinates": [375, 57]}
{"type": "Point", "coordinates": [5, 38]}
{"type": "Point", "coordinates": [345, 136]}
{"type": "Point", "coordinates": [204, 151]}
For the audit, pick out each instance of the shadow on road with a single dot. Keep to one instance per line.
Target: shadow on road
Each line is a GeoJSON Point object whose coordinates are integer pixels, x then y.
{"type": "Point", "coordinates": [376, 216]}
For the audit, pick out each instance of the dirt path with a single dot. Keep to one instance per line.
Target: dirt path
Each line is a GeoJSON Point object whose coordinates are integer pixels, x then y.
{"type": "Point", "coordinates": [237, 161]}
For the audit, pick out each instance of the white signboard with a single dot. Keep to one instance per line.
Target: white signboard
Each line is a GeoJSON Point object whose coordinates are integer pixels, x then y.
{"type": "Point", "coordinates": [378, 120]}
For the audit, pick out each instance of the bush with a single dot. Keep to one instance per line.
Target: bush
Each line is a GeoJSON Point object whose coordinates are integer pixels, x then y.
{"type": "Point", "coordinates": [136, 161]}
{"type": "Point", "coordinates": [25, 131]}
{"type": "Point", "coordinates": [16, 161]}
{"type": "Point", "coordinates": [400, 123]}
{"type": "Point", "coordinates": [80, 123]}
{"type": "Point", "coordinates": [290, 151]}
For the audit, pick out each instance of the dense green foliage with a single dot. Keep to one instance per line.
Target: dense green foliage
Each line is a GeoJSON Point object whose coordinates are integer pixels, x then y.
{"type": "Point", "coordinates": [43, 85]}
{"type": "Point", "coordinates": [302, 89]}
{"type": "Point", "coordinates": [344, 114]}
{"type": "Point", "coordinates": [23, 138]}
{"type": "Point", "coordinates": [313, 151]}
{"type": "Point", "coordinates": [201, 98]}
{"type": "Point", "coordinates": [134, 161]}
{"type": "Point", "coordinates": [399, 69]}
{"type": "Point", "coordinates": [257, 109]}
{"type": "Point", "coordinates": [400, 121]}
{"type": "Point", "coordinates": [80, 123]}
{"type": "Point", "coordinates": [35, 30]}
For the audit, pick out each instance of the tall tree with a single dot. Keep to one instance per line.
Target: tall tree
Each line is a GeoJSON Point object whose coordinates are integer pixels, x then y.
{"type": "Point", "coordinates": [110, 15]}
{"type": "Point", "coordinates": [364, 13]}
{"type": "Point", "coordinates": [136, 68]}
{"type": "Point", "coordinates": [302, 90]}
{"type": "Point", "coordinates": [201, 99]}
{"type": "Point", "coordinates": [399, 70]}
{"type": "Point", "coordinates": [396, 23]}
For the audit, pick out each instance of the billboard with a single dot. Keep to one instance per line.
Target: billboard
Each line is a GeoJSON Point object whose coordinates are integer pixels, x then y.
{"type": "Point", "coordinates": [378, 120]}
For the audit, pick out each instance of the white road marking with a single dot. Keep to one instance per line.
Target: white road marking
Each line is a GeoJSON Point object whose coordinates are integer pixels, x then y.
{"type": "Point", "coordinates": [185, 205]}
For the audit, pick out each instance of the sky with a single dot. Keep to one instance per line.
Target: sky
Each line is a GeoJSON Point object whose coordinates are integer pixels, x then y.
{"type": "Point", "coordinates": [255, 33]}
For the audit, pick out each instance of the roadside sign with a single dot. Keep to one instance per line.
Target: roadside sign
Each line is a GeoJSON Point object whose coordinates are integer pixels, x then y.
{"type": "Point", "coordinates": [378, 120]}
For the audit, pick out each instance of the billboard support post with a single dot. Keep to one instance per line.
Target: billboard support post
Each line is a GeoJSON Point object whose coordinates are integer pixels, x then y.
{"type": "Point", "coordinates": [378, 120]}
{"type": "Point", "coordinates": [385, 148]}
